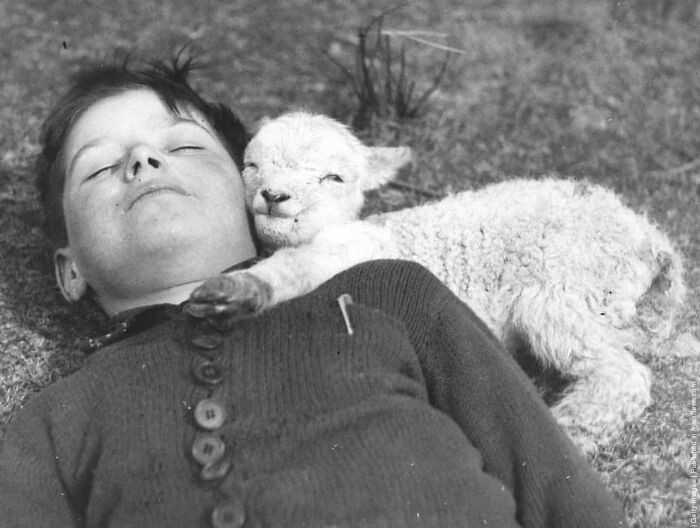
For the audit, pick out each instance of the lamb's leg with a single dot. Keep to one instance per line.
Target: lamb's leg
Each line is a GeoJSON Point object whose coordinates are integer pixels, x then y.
{"type": "Point", "coordinates": [608, 392]}
{"type": "Point", "coordinates": [610, 387]}
{"type": "Point", "coordinates": [290, 272]}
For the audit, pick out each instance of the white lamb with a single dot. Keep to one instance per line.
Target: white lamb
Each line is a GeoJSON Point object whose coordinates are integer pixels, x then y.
{"type": "Point", "coordinates": [560, 266]}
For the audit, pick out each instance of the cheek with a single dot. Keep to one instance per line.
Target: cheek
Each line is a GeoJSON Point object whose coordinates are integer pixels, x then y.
{"type": "Point", "coordinates": [217, 173]}
{"type": "Point", "coordinates": [86, 216]}
{"type": "Point", "coordinates": [92, 240]}
{"type": "Point", "coordinates": [347, 201]}
{"type": "Point", "coordinates": [224, 197]}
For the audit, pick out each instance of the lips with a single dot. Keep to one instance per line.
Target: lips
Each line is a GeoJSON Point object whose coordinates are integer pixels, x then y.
{"type": "Point", "coordinates": [274, 211]}
{"type": "Point", "coordinates": [151, 189]}
{"type": "Point", "coordinates": [286, 209]}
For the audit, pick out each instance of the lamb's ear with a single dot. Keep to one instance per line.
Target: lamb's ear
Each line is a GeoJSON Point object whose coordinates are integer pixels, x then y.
{"type": "Point", "coordinates": [383, 163]}
{"type": "Point", "coordinates": [264, 120]}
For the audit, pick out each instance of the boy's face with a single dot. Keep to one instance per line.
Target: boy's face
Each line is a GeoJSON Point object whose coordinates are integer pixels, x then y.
{"type": "Point", "coordinates": [151, 200]}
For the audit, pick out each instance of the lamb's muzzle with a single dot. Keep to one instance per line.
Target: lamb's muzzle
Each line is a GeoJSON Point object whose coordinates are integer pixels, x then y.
{"type": "Point", "coordinates": [274, 197]}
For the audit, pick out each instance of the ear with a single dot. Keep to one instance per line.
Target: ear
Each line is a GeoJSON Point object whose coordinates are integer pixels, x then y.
{"type": "Point", "coordinates": [264, 120]}
{"type": "Point", "coordinates": [69, 279]}
{"type": "Point", "coordinates": [382, 165]}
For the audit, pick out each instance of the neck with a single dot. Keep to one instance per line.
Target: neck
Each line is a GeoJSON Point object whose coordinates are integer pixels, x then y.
{"type": "Point", "coordinates": [175, 294]}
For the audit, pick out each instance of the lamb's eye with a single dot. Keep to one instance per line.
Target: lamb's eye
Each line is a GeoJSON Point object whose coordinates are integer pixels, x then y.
{"type": "Point", "coordinates": [250, 165]}
{"type": "Point", "coordinates": [332, 177]}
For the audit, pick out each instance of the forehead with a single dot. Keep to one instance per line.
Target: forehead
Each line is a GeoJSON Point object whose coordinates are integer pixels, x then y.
{"type": "Point", "coordinates": [305, 141]}
{"type": "Point", "coordinates": [124, 117]}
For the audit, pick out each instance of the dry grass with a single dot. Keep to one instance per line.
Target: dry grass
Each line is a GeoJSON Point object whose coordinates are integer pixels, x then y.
{"type": "Point", "coordinates": [555, 87]}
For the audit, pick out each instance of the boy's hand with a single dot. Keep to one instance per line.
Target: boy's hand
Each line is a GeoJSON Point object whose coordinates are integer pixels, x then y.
{"type": "Point", "coordinates": [224, 298]}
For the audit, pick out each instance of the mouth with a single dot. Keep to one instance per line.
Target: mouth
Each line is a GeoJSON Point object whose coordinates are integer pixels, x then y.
{"type": "Point", "coordinates": [273, 215]}
{"type": "Point", "coordinates": [279, 211]}
{"type": "Point", "coordinates": [152, 190]}
{"type": "Point", "coordinates": [269, 210]}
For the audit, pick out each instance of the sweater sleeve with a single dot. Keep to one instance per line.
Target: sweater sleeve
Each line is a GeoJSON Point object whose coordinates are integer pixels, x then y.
{"type": "Point", "coordinates": [40, 463]}
{"type": "Point", "coordinates": [473, 379]}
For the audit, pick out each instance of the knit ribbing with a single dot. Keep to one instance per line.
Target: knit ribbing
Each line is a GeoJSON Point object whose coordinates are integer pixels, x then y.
{"type": "Point", "coordinates": [416, 419]}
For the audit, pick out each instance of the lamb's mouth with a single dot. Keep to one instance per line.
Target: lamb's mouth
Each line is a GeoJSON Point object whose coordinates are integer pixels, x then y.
{"type": "Point", "coordinates": [280, 215]}
{"type": "Point", "coordinates": [271, 219]}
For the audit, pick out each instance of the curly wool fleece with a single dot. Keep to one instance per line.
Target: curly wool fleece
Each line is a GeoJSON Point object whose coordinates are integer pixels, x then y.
{"type": "Point", "coordinates": [558, 265]}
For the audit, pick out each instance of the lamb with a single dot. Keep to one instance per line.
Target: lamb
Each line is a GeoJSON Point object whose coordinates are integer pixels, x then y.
{"type": "Point", "coordinates": [560, 266]}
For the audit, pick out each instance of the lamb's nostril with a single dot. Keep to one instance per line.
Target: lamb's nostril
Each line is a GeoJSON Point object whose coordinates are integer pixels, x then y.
{"type": "Point", "coordinates": [274, 196]}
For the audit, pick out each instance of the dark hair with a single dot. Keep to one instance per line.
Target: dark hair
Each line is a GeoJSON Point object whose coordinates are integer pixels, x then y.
{"type": "Point", "coordinates": [167, 79]}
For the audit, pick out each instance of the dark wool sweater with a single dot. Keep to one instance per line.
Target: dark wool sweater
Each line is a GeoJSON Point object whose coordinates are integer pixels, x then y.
{"type": "Point", "coordinates": [417, 418]}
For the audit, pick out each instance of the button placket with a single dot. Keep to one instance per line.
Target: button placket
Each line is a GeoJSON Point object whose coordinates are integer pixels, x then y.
{"type": "Point", "coordinates": [209, 449]}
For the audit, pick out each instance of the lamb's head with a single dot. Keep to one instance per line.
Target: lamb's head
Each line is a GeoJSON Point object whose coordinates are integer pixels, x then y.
{"type": "Point", "coordinates": [304, 172]}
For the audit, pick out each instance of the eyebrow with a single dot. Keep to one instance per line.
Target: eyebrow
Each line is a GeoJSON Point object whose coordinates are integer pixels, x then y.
{"type": "Point", "coordinates": [176, 120]}
{"type": "Point", "coordinates": [184, 120]}
{"type": "Point", "coordinates": [81, 151]}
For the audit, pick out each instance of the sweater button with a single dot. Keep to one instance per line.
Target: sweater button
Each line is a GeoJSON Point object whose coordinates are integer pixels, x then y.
{"type": "Point", "coordinates": [209, 414]}
{"type": "Point", "coordinates": [216, 470]}
{"type": "Point", "coordinates": [207, 373]}
{"type": "Point", "coordinates": [229, 515]}
{"type": "Point", "coordinates": [207, 341]}
{"type": "Point", "coordinates": [208, 449]}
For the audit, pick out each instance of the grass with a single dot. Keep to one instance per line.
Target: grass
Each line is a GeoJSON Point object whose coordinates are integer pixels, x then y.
{"type": "Point", "coordinates": [556, 87]}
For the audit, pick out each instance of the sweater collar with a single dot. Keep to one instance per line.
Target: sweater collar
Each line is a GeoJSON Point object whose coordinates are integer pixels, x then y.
{"type": "Point", "coordinates": [131, 322]}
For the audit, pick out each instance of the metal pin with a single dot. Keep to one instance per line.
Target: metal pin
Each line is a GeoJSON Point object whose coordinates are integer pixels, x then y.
{"type": "Point", "coordinates": [94, 343]}
{"type": "Point", "coordinates": [343, 302]}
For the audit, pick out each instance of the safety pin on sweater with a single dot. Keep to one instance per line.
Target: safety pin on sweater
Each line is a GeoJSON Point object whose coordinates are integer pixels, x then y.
{"type": "Point", "coordinates": [343, 301]}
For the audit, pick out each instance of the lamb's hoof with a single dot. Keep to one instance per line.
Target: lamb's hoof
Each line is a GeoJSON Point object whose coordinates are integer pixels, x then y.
{"type": "Point", "coordinates": [225, 298]}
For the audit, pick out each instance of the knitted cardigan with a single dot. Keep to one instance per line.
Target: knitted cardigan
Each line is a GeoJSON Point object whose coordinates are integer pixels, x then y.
{"type": "Point", "coordinates": [401, 410]}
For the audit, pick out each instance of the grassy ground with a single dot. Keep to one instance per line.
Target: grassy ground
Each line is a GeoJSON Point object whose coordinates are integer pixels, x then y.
{"type": "Point", "coordinates": [555, 87]}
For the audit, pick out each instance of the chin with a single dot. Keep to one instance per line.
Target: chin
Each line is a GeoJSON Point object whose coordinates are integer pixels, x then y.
{"type": "Point", "coordinates": [275, 231]}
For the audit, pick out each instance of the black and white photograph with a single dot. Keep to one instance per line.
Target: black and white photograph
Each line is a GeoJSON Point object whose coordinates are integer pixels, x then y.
{"type": "Point", "coordinates": [349, 264]}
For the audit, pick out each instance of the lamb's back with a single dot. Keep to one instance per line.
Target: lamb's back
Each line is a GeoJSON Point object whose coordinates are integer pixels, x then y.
{"type": "Point", "coordinates": [527, 231]}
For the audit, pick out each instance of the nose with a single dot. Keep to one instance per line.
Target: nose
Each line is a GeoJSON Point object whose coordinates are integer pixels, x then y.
{"type": "Point", "coordinates": [142, 159]}
{"type": "Point", "coordinates": [274, 196]}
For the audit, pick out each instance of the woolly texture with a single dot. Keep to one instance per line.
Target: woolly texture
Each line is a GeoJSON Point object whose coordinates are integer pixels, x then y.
{"type": "Point", "coordinates": [560, 266]}
{"type": "Point", "coordinates": [563, 266]}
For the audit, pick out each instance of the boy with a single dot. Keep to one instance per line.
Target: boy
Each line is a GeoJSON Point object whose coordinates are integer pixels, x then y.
{"type": "Point", "coordinates": [416, 418]}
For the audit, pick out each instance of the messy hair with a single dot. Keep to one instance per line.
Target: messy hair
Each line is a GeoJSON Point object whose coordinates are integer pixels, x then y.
{"type": "Point", "coordinates": [168, 79]}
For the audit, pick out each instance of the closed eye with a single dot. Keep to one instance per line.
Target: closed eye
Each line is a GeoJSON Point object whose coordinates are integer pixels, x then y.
{"type": "Point", "coordinates": [99, 171]}
{"type": "Point", "coordinates": [187, 147]}
{"type": "Point", "coordinates": [250, 165]}
{"type": "Point", "coordinates": [332, 177]}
